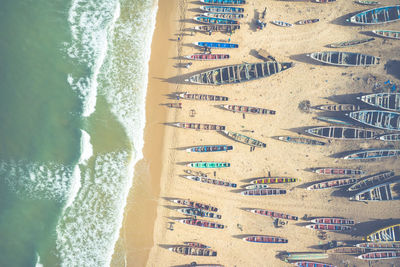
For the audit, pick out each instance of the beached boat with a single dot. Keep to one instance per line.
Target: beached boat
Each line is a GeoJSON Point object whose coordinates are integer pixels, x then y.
{"type": "Point", "coordinates": [345, 250]}
{"type": "Point", "coordinates": [386, 120]}
{"type": "Point", "coordinates": [202, 223]}
{"type": "Point", "coordinates": [217, 28]}
{"type": "Point", "coordinates": [208, 20]}
{"type": "Point", "coordinates": [193, 204]}
{"type": "Point", "coordinates": [207, 180]}
{"type": "Point", "coordinates": [199, 212]}
{"type": "Point", "coordinates": [386, 234]}
{"type": "Point", "coordinates": [377, 15]}
{"type": "Point", "coordinates": [372, 180]}
{"type": "Point", "coordinates": [306, 21]}
{"type": "Point", "coordinates": [338, 107]}
{"type": "Point", "coordinates": [312, 264]}
{"type": "Point", "coordinates": [256, 186]}
{"type": "Point", "coordinates": [281, 23]}
{"type": "Point", "coordinates": [300, 256]}
{"type": "Point", "coordinates": [328, 227]}
{"type": "Point", "coordinates": [332, 220]}
{"type": "Point", "coordinates": [224, 2]}
{"type": "Point", "coordinates": [351, 43]}
{"type": "Point", "coordinates": [247, 109]}
{"type": "Point", "coordinates": [390, 137]}
{"type": "Point", "coordinates": [323, 1]}
{"type": "Point", "coordinates": [174, 105]}
{"type": "Point", "coordinates": [222, 9]}
{"type": "Point", "coordinates": [203, 97]}
{"type": "Point", "coordinates": [342, 133]}
{"type": "Point", "coordinates": [381, 192]}
{"type": "Point", "coordinates": [388, 101]}
{"type": "Point", "coordinates": [388, 34]}
{"type": "Point", "coordinates": [208, 164]}
{"type": "Point", "coordinates": [379, 245]}
{"type": "Point", "coordinates": [338, 171]}
{"type": "Point", "coordinates": [264, 192]}
{"type": "Point", "coordinates": [208, 56]}
{"type": "Point", "coordinates": [373, 154]}
{"type": "Point", "coordinates": [212, 148]}
{"type": "Point", "coordinates": [199, 126]}
{"type": "Point", "coordinates": [239, 73]}
{"type": "Point", "coordinates": [379, 255]}
{"type": "Point", "coordinates": [192, 251]}
{"type": "Point", "coordinates": [274, 214]}
{"type": "Point", "coordinates": [265, 239]}
{"type": "Point", "coordinates": [367, 3]}
{"type": "Point", "coordinates": [300, 140]}
{"type": "Point", "coordinates": [197, 173]}
{"type": "Point", "coordinates": [224, 15]}
{"type": "Point", "coordinates": [332, 183]}
{"type": "Point", "coordinates": [244, 139]}
{"type": "Point", "coordinates": [216, 45]}
{"type": "Point", "coordinates": [345, 58]}
{"type": "Point", "coordinates": [195, 245]}
{"type": "Point", "coordinates": [278, 180]}
{"type": "Point", "coordinates": [333, 120]}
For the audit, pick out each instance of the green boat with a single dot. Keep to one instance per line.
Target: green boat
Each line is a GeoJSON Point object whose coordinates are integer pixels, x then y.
{"type": "Point", "coordinates": [298, 256]}
{"type": "Point", "coordinates": [205, 164]}
{"type": "Point", "coordinates": [244, 139]}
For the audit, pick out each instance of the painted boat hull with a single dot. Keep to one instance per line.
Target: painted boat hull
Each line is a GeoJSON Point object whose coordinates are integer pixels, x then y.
{"type": "Point", "coordinates": [222, 9]}
{"type": "Point", "coordinates": [377, 15]}
{"type": "Point", "coordinates": [347, 59]}
{"type": "Point", "coordinates": [339, 221]}
{"type": "Point", "coordinates": [264, 192]}
{"type": "Point", "coordinates": [332, 183]}
{"type": "Point", "coordinates": [265, 239]}
{"type": "Point", "coordinates": [329, 227]}
{"type": "Point", "coordinates": [208, 56]}
{"type": "Point", "coordinates": [274, 214]}
{"type": "Point", "coordinates": [274, 180]}
{"type": "Point", "coordinates": [214, 148]}
{"type": "Point", "coordinates": [216, 45]}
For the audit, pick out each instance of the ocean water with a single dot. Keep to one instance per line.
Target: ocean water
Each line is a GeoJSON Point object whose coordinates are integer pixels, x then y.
{"type": "Point", "coordinates": [73, 79]}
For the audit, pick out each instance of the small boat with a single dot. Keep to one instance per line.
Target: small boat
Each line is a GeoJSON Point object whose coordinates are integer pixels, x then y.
{"type": "Point", "coordinates": [224, 2]}
{"type": "Point", "coordinates": [386, 234]}
{"type": "Point", "coordinates": [281, 23]}
{"type": "Point", "coordinates": [367, 3]}
{"type": "Point", "coordinates": [274, 214]}
{"type": "Point", "coordinates": [207, 180]}
{"type": "Point", "coordinates": [247, 109]}
{"type": "Point", "coordinates": [373, 154]}
{"type": "Point", "coordinates": [312, 263]}
{"type": "Point", "coordinates": [187, 250]}
{"type": "Point", "coordinates": [174, 105]}
{"type": "Point", "coordinates": [208, 164]}
{"type": "Point", "coordinates": [274, 180]}
{"type": "Point", "coordinates": [380, 192]}
{"type": "Point", "coordinates": [222, 9]}
{"type": "Point", "coordinates": [351, 43]}
{"type": "Point", "coordinates": [342, 133]}
{"type": "Point", "coordinates": [264, 192]}
{"type": "Point", "coordinates": [377, 15]}
{"type": "Point", "coordinates": [212, 148]}
{"type": "Point", "coordinates": [217, 21]}
{"type": "Point", "coordinates": [193, 204]}
{"type": "Point", "coordinates": [386, 120]}
{"type": "Point", "coordinates": [224, 15]}
{"type": "Point", "coordinates": [379, 255]}
{"type": "Point", "coordinates": [345, 250]}
{"type": "Point", "coordinates": [390, 137]}
{"type": "Point", "coordinates": [216, 45]}
{"type": "Point", "coordinates": [302, 256]}
{"type": "Point", "coordinates": [388, 101]}
{"type": "Point", "coordinates": [328, 220]}
{"type": "Point", "coordinates": [195, 245]}
{"type": "Point", "coordinates": [300, 140]}
{"type": "Point", "coordinates": [199, 212]}
{"type": "Point", "coordinates": [333, 120]}
{"type": "Point", "coordinates": [338, 171]}
{"type": "Point", "coordinates": [306, 21]}
{"type": "Point", "coordinates": [265, 239]}
{"type": "Point", "coordinates": [328, 227]}
{"type": "Point", "coordinates": [345, 58]}
{"type": "Point", "coordinates": [197, 173]}
{"type": "Point", "coordinates": [324, 1]}
{"type": "Point", "coordinates": [208, 56]}
{"type": "Point", "coordinates": [217, 28]}
{"type": "Point", "coordinates": [371, 180]}
{"type": "Point", "coordinates": [332, 183]}
{"type": "Point", "coordinates": [380, 245]}
{"type": "Point", "coordinates": [202, 223]}
{"type": "Point", "coordinates": [338, 107]}
{"type": "Point", "coordinates": [239, 73]}
{"type": "Point", "coordinates": [203, 97]}
{"type": "Point", "coordinates": [256, 186]}
{"type": "Point", "coordinates": [244, 139]}
{"type": "Point", "coordinates": [199, 126]}
{"type": "Point", "coordinates": [387, 34]}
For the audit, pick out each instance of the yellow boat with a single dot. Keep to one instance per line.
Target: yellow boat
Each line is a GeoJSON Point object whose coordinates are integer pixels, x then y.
{"type": "Point", "coordinates": [388, 234]}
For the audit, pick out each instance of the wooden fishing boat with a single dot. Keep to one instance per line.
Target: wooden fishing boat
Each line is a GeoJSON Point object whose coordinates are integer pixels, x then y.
{"type": "Point", "coordinates": [256, 186]}
{"type": "Point", "coordinates": [387, 34]}
{"type": "Point", "coordinates": [303, 256]}
{"type": "Point", "coordinates": [281, 23]}
{"type": "Point", "coordinates": [208, 56]}
{"type": "Point", "coordinates": [388, 101]}
{"type": "Point", "coordinates": [203, 97]}
{"type": "Point", "coordinates": [199, 126]}
{"type": "Point", "coordinates": [311, 264]}
{"type": "Point", "coordinates": [333, 120]}
{"type": "Point", "coordinates": [331, 220]}
{"type": "Point", "coordinates": [390, 137]}
{"type": "Point", "coordinates": [224, 2]}
{"type": "Point", "coordinates": [274, 214]}
{"type": "Point", "coordinates": [197, 173]}
{"type": "Point", "coordinates": [328, 227]}
{"type": "Point", "coordinates": [217, 28]}
{"type": "Point", "coordinates": [300, 140]}
{"type": "Point", "coordinates": [324, 1]}
{"type": "Point", "coordinates": [278, 180]}
{"type": "Point", "coordinates": [380, 245]}
{"type": "Point", "coordinates": [207, 180]}
{"type": "Point", "coordinates": [199, 212]}
{"type": "Point", "coordinates": [244, 139]}
{"type": "Point", "coordinates": [265, 239]}
{"type": "Point", "coordinates": [264, 192]}
{"type": "Point", "coordinates": [345, 250]}
{"type": "Point", "coordinates": [345, 58]}
{"type": "Point", "coordinates": [174, 105]}
{"type": "Point", "coordinates": [193, 204]}
{"type": "Point", "coordinates": [224, 15]}
{"type": "Point", "coordinates": [380, 192]}
{"type": "Point", "coordinates": [208, 20]}
{"type": "Point", "coordinates": [306, 21]}
{"type": "Point", "coordinates": [342, 133]}
{"type": "Point", "coordinates": [338, 171]}
{"type": "Point", "coordinates": [367, 3]}
{"type": "Point", "coordinates": [239, 73]}
{"type": "Point", "coordinates": [216, 45]}
{"type": "Point", "coordinates": [208, 164]}
{"type": "Point", "coordinates": [195, 245]}
{"type": "Point", "coordinates": [377, 15]}
{"type": "Point", "coordinates": [373, 154]}
{"type": "Point", "coordinates": [249, 110]}
{"type": "Point", "coordinates": [386, 234]}
{"type": "Point", "coordinates": [371, 180]}
{"type": "Point", "coordinates": [380, 255]}
{"type": "Point", "coordinates": [212, 148]}
{"type": "Point", "coordinates": [338, 107]}
{"type": "Point", "coordinates": [222, 9]}
{"type": "Point", "coordinates": [332, 183]}
{"type": "Point", "coordinates": [202, 223]}
{"type": "Point", "coordinates": [351, 43]}
{"type": "Point", "coordinates": [386, 120]}
{"type": "Point", "coordinates": [192, 251]}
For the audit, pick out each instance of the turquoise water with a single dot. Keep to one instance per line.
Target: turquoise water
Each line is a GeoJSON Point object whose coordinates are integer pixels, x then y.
{"type": "Point", "coordinates": [73, 78]}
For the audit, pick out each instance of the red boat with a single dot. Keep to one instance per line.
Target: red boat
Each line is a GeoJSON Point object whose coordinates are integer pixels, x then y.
{"type": "Point", "coordinates": [338, 171]}
{"type": "Point", "coordinates": [380, 245]}
{"type": "Point", "coordinates": [332, 183]}
{"type": "Point", "coordinates": [333, 221]}
{"type": "Point", "coordinates": [265, 239]}
{"type": "Point", "coordinates": [208, 56]}
{"type": "Point", "coordinates": [193, 204]}
{"type": "Point", "coordinates": [202, 223]}
{"type": "Point", "coordinates": [312, 264]}
{"type": "Point", "coordinates": [274, 214]}
{"type": "Point", "coordinates": [264, 192]}
{"type": "Point", "coordinates": [381, 255]}
{"type": "Point", "coordinates": [328, 227]}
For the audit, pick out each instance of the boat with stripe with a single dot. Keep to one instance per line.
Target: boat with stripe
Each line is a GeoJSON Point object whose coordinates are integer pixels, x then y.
{"type": "Point", "coordinates": [380, 245]}
{"type": "Point", "coordinates": [387, 234]}
{"type": "Point", "coordinates": [377, 15]}
{"type": "Point", "coordinates": [324, 1]}
{"type": "Point", "coordinates": [274, 214]}
{"type": "Point", "coordinates": [338, 107]}
{"type": "Point", "coordinates": [343, 133]}
{"type": "Point", "coordinates": [379, 255]}
{"type": "Point", "coordinates": [306, 21]}
{"type": "Point", "coordinates": [372, 180]}
{"type": "Point", "coordinates": [278, 180]}
{"type": "Point", "coordinates": [373, 154]}
{"type": "Point", "coordinates": [333, 220]}
{"type": "Point", "coordinates": [222, 9]}
{"type": "Point", "coordinates": [224, 2]}
{"type": "Point", "coordinates": [381, 192]}
{"type": "Point", "coordinates": [338, 171]}
{"type": "Point", "coordinates": [216, 45]}
{"type": "Point", "coordinates": [312, 264]}
{"type": "Point", "coordinates": [199, 212]}
{"type": "Point", "coordinates": [207, 180]}
{"type": "Point", "coordinates": [388, 101]}
{"type": "Point", "coordinates": [202, 97]}
{"type": "Point", "coordinates": [327, 184]}
{"type": "Point", "coordinates": [265, 239]}
{"type": "Point", "coordinates": [351, 43]}
{"type": "Point", "coordinates": [217, 28]}
{"type": "Point", "coordinates": [192, 251]}
{"type": "Point", "coordinates": [199, 126]}
{"type": "Point", "coordinates": [329, 227]}
{"type": "Point", "coordinates": [202, 223]}
{"type": "Point", "coordinates": [209, 148]}
{"type": "Point", "coordinates": [208, 164]}
{"type": "Point", "coordinates": [386, 120]}
{"type": "Point", "coordinates": [233, 16]}
{"type": "Point", "coordinates": [264, 192]}
{"type": "Point", "coordinates": [244, 139]}
{"type": "Point", "coordinates": [194, 204]}
{"type": "Point", "coordinates": [208, 56]}
{"type": "Point", "coordinates": [300, 140]}
{"type": "Point", "coordinates": [208, 20]}
{"type": "Point", "coordinates": [249, 110]}
{"type": "Point", "coordinates": [347, 59]}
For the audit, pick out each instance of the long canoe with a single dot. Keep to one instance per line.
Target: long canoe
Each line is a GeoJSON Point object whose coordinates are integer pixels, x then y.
{"type": "Point", "coordinates": [207, 180]}
{"type": "Point", "coordinates": [281, 23]}
{"type": "Point", "coordinates": [332, 183]}
{"type": "Point", "coordinates": [208, 56]}
{"type": "Point", "coordinates": [347, 59]}
{"type": "Point", "coordinates": [338, 171]}
{"type": "Point", "coordinates": [195, 245]}
{"type": "Point", "coordinates": [338, 107]}
{"type": "Point", "coordinates": [264, 192]}
{"type": "Point", "coordinates": [390, 137]}
{"type": "Point", "coordinates": [373, 154]}
{"type": "Point", "coordinates": [224, 2]}
{"type": "Point", "coordinates": [386, 120]}
{"type": "Point", "coordinates": [367, 2]}
{"type": "Point", "coordinates": [300, 256]}
{"type": "Point", "coordinates": [333, 220]}
{"type": "Point", "coordinates": [256, 186]}
{"type": "Point", "coordinates": [386, 234]}
{"type": "Point", "coordinates": [274, 214]}
{"type": "Point", "coordinates": [202, 97]}
{"type": "Point", "coordinates": [208, 164]}
{"type": "Point", "coordinates": [342, 133]}
{"type": "Point", "coordinates": [328, 227]}
{"type": "Point", "coordinates": [208, 20]}
{"type": "Point", "coordinates": [265, 239]}
{"type": "Point", "coordinates": [306, 21]}
{"type": "Point", "coordinates": [351, 42]}
{"type": "Point", "coordinates": [199, 126]}
{"type": "Point", "coordinates": [202, 223]}
{"type": "Point", "coordinates": [380, 255]}
{"type": "Point", "coordinates": [377, 15]}
{"type": "Point", "coordinates": [380, 192]}
{"type": "Point", "coordinates": [388, 101]}
{"type": "Point", "coordinates": [388, 34]}
{"type": "Point", "coordinates": [192, 251]}
{"type": "Point", "coordinates": [216, 45]}
{"type": "Point", "coordinates": [300, 140]}
{"type": "Point", "coordinates": [371, 180]}
{"type": "Point", "coordinates": [380, 245]}
{"type": "Point", "coordinates": [273, 180]}
{"type": "Point", "coordinates": [222, 9]}
{"type": "Point", "coordinates": [249, 110]}
{"type": "Point", "coordinates": [194, 204]}
{"type": "Point", "coordinates": [211, 148]}
{"type": "Point", "coordinates": [312, 264]}
{"type": "Point", "coordinates": [199, 212]}
{"type": "Point", "coordinates": [224, 15]}
{"type": "Point", "coordinates": [217, 28]}
{"type": "Point", "coordinates": [244, 139]}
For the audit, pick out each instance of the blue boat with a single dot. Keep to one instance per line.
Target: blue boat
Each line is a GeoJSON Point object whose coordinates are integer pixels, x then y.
{"type": "Point", "coordinates": [222, 9]}
{"type": "Point", "coordinates": [215, 148]}
{"type": "Point", "coordinates": [377, 15]}
{"type": "Point", "coordinates": [224, 2]}
{"type": "Point", "coordinates": [385, 120]}
{"type": "Point", "coordinates": [216, 45]}
{"type": "Point", "coordinates": [219, 21]}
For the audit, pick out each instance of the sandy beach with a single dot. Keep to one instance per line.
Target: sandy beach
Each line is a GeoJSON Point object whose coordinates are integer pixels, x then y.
{"type": "Point", "coordinates": [150, 224]}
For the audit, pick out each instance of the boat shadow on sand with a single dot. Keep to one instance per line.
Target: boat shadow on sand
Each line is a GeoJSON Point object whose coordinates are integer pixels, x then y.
{"type": "Point", "coordinates": [364, 228]}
